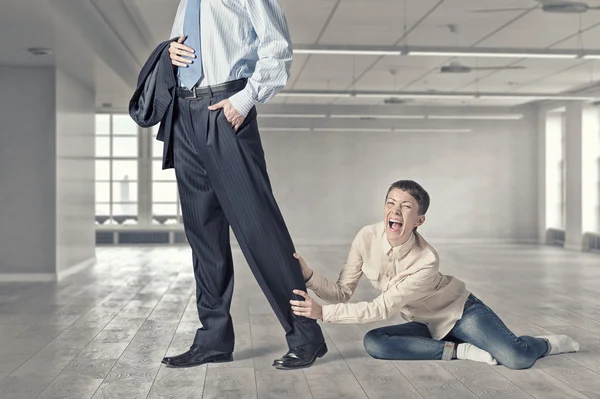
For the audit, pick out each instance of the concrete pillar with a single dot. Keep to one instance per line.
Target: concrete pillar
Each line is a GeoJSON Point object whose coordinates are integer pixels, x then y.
{"type": "Point", "coordinates": [574, 127]}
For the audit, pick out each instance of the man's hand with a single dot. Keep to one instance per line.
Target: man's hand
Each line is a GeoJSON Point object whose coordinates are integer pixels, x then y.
{"type": "Point", "coordinates": [307, 272]}
{"type": "Point", "coordinates": [178, 51]}
{"type": "Point", "coordinates": [307, 308]}
{"type": "Point", "coordinates": [233, 117]}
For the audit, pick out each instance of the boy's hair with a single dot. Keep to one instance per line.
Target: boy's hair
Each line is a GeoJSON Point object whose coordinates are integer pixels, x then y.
{"type": "Point", "coordinates": [415, 190]}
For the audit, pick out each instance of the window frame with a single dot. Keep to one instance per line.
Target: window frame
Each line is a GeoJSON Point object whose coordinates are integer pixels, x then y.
{"type": "Point", "coordinates": [145, 217]}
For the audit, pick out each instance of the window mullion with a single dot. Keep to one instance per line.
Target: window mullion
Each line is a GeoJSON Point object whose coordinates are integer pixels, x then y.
{"type": "Point", "coordinates": [145, 178]}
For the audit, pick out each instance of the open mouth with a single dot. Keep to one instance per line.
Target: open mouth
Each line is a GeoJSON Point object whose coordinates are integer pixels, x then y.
{"type": "Point", "coordinates": [395, 225]}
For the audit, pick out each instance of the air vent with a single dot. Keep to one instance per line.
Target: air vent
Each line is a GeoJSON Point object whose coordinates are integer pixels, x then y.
{"type": "Point", "coordinates": [143, 237]}
{"type": "Point", "coordinates": [104, 237]}
{"type": "Point", "coordinates": [179, 238]}
{"type": "Point", "coordinates": [40, 51]}
{"type": "Point", "coordinates": [555, 237]}
{"type": "Point", "coordinates": [591, 242]}
{"type": "Point", "coordinates": [595, 243]}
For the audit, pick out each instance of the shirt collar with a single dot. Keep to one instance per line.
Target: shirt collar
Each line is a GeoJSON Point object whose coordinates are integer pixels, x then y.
{"type": "Point", "coordinates": [398, 251]}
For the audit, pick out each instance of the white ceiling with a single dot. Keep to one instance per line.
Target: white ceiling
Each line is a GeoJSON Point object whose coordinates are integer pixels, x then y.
{"type": "Point", "coordinates": [25, 24]}
{"type": "Point", "coordinates": [140, 24]}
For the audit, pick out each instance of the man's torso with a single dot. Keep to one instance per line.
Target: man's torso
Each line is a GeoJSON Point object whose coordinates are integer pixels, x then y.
{"type": "Point", "coordinates": [228, 41]}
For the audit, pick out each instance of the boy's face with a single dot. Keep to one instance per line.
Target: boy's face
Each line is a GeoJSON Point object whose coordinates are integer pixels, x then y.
{"type": "Point", "coordinates": [401, 215]}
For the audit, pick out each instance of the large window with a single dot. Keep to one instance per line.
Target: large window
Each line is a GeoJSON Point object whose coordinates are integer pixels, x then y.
{"type": "Point", "coordinates": [555, 170]}
{"type": "Point", "coordinates": [591, 171]}
{"type": "Point", "coordinates": [116, 169]}
{"type": "Point", "coordinates": [165, 200]}
{"type": "Point", "coordinates": [131, 187]}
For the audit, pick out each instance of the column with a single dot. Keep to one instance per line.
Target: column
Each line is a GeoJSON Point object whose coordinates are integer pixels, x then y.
{"type": "Point", "coordinates": [573, 175]}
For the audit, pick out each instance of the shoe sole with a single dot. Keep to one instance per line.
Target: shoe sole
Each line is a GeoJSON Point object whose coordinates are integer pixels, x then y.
{"type": "Point", "coordinates": [320, 353]}
{"type": "Point", "coordinates": [224, 358]}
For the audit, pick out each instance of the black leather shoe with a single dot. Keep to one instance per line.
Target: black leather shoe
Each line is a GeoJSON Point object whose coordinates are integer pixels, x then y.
{"type": "Point", "coordinates": [197, 356]}
{"type": "Point", "coordinates": [301, 357]}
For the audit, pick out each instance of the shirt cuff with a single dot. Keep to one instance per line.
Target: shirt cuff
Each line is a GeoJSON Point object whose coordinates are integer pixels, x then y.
{"type": "Point", "coordinates": [329, 313]}
{"type": "Point", "coordinates": [242, 101]}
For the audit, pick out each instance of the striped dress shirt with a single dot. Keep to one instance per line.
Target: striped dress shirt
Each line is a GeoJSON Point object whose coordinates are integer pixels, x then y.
{"type": "Point", "coordinates": [407, 277]}
{"type": "Point", "coordinates": [242, 39]}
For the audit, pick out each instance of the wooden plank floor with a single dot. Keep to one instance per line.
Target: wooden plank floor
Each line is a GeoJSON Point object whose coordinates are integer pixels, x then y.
{"type": "Point", "coordinates": [102, 333]}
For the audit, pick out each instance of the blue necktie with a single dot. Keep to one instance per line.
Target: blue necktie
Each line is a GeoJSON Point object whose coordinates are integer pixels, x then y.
{"type": "Point", "coordinates": [191, 28]}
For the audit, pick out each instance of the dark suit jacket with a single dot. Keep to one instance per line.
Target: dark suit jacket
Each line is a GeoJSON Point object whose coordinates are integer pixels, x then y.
{"type": "Point", "coordinates": [153, 99]}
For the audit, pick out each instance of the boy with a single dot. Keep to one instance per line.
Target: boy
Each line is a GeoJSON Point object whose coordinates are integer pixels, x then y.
{"type": "Point", "coordinates": [445, 320]}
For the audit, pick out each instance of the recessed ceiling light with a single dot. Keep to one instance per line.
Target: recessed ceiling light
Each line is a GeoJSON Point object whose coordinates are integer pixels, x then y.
{"type": "Point", "coordinates": [40, 50]}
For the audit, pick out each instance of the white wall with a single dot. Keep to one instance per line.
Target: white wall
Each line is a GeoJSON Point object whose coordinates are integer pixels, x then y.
{"type": "Point", "coordinates": [46, 173]}
{"type": "Point", "coordinates": [573, 175]}
{"type": "Point", "coordinates": [483, 184]}
{"type": "Point", "coordinates": [27, 170]}
{"type": "Point", "coordinates": [554, 167]}
{"type": "Point", "coordinates": [75, 232]}
{"type": "Point", "coordinates": [591, 170]}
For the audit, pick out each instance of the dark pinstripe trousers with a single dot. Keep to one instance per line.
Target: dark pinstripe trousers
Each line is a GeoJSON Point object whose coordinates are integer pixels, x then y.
{"type": "Point", "coordinates": [222, 180]}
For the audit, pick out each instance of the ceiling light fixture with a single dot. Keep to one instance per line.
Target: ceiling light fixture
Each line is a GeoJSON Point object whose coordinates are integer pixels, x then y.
{"type": "Point", "coordinates": [416, 95]}
{"type": "Point", "coordinates": [292, 115]}
{"type": "Point", "coordinates": [507, 117]}
{"type": "Point", "coordinates": [349, 116]}
{"type": "Point", "coordinates": [428, 130]}
{"type": "Point", "coordinates": [532, 96]}
{"type": "Point", "coordinates": [494, 52]}
{"type": "Point", "coordinates": [490, 55]}
{"type": "Point", "coordinates": [364, 130]}
{"type": "Point", "coordinates": [347, 52]}
{"type": "Point", "coordinates": [286, 129]}
{"type": "Point", "coordinates": [439, 95]}
{"type": "Point", "coordinates": [341, 129]}
{"type": "Point", "coordinates": [313, 94]}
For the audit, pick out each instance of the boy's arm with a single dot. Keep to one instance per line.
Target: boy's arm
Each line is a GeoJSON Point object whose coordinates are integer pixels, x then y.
{"type": "Point", "coordinates": [342, 290]}
{"type": "Point", "coordinates": [411, 289]}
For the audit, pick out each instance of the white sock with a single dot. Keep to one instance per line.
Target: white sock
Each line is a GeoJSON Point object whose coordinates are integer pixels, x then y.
{"type": "Point", "coordinates": [471, 352]}
{"type": "Point", "coordinates": [560, 344]}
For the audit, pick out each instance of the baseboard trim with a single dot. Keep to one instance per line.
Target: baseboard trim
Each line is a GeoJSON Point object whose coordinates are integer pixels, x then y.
{"type": "Point", "coordinates": [483, 241]}
{"type": "Point", "coordinates": [27, 277]}
{"type": "Point", "coordinates": [76, 268]}
{"type": "Point", "coordinates": [457, 241]}
{"type": "Point", "coordinates": [46, 277]}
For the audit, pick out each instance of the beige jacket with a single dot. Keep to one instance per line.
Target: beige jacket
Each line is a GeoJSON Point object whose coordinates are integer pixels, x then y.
{"type": "Point", "coordinates": [407, 277]}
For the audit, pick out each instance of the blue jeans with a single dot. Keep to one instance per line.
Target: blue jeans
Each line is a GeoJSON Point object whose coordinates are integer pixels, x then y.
{"type": "Point", "coordinates": [479, 326]}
